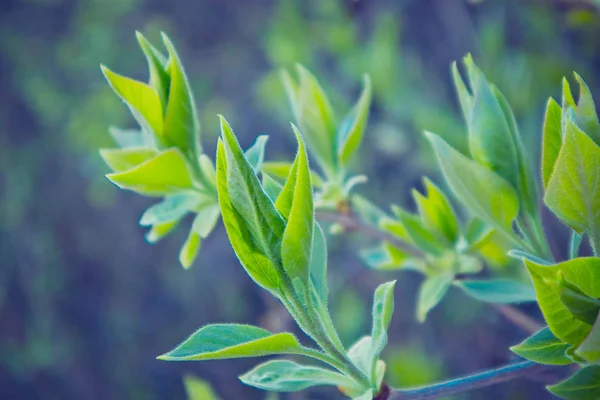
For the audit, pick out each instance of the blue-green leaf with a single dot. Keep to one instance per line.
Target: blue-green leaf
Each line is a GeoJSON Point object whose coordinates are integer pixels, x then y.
{"type": "Point", "coordinates": [552, 139]}
{"type": "Point", "coordinates": [432, 291]}
{"type": "Point", "coordinates": [499, 291]}
{"type": "Point", "coordinates": [543, 348]}
{"type": "Point", "coordinates": [220, 341]}
{"type": "Point", "coordinates": [383, 309]}
{"type": "Point", "coordinates": [583, 385]}
{"type": "Point", "coordinates": [351, 129]}
{"type": "Point", "coordinates": [159, 77]}
{"type": "Point", "coordinates": [172, 208]}
{"type": "Point", "coordinates": [590, 348]}
{"type": "Point", "coordinates": [256, 153]}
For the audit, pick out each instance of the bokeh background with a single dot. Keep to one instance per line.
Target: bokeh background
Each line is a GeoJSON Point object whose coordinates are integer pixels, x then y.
{"type": "Point", "coordinates": [86, 304]}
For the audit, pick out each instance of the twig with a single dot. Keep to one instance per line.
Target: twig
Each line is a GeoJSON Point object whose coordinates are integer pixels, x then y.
{"type": "Point", "coordinates": [353, 224]}
{"type": "Point", "coordinates": [468, 383]}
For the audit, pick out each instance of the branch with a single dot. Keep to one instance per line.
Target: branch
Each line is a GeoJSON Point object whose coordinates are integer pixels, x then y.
{"type": "Point", "coordinates": [468, 383]}
{"type": "Point", "coordinates": [353, 224]}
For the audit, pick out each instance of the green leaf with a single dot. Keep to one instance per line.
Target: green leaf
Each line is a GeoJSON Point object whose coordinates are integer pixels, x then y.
{"type": "Point", "coordinates": [499, 291]}
{"type": "Point", "coordinates": [583, 385]}
{"type": "Point", "coordinates": [271, 187]}
{"type": "Point", "coordinates": [281, 170]}
{"type": "Point", "coordinates": [172, 208]}
{"type": "Point", "coordinates": [256, 153]}
{"type": "Point", "coordinates": [417, 233]}
{"type": "Point", "coordinates": [288, 376]}
{"type": "Point", "coordinates": [206, 220]}
{"type": "Point", "coordinates": [159, 231]}
{"type": "Point", "coordinates": [485, 193]}
{"type": "Point", "coordinates": [574, 244]}
{"type": "Point", "coordinates": [583, 272]}
{"type": "Point", "coordinates": [254, 226]}
{"type": "Point", "coordinates": [582, 306]}
{"type": "Point", "coordinates": [543, 348]}
{"type": "Point", "coordinates": [197, 389]}
{"type": "Point", "coordinates": [318, 264]}
{"type": "Point", "coordinates": [386, 257]}
{"type": "Point", "coordinates": [296, 245]}
{"type": "Point", "coordinates": [159, 78]}
{"type": "Point", "coordinates": [351, 130]}
{"type": "Point", "coordinates": [368, 395]}
{"type": "Point", "coordinates": [520, 255]}
{"type": "Point", "coordinates": [383, 309]}
{"type": "Point", "coordinates": [436, 212]}
{"type": "Point", "coordinates": [126, 138]}
{"type": "Point", "coordinates": [181, 127]}
{"type": "Point", "coordinates": [190, 249]}
{"type": "Point", "coordinates": [221, 341]}
{"type": "Point", "coordinates": [464, 97]}
{"type": "Point", "coordinates": [141, 99]}
{"type": "Point", "coordinates": [490, 140]}
{"type": "Point", "coordinates": [366, 210]}
{"type": "Point", "coordinates": [164, 174]}
{"type": "Point", "coordinates": [123, 159]}
{"type": "Point", "coordinates": [590, 348]}
{"type": "Point", "coordinates": [585, 114]}
{"type": "Point", "coordinates": [432, 291]}
{"type": "Point", "coordinates": [478, 234]}
{"type": "Point", "coordinates": [552, 139]}
{"type": "Point", "coordinates": [573, 193]}
{"type": "Point", "coordinates": [314, 116]}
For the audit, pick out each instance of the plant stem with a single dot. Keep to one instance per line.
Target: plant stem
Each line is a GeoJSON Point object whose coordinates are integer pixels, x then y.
{"type": "Point", "coordinates": [468, 383]}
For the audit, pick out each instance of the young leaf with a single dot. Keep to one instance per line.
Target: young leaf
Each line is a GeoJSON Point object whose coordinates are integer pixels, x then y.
{"type": "Point", "coordinates": [288, 376]}
{"type": "Point", "coordinates": [296, 245]}
{"type": "Point", "coordinates": [590, 348]}
{"type": "Point", "coordinates": [281, 170]}
{"type": "Point", "coordinates": [431, 293]}
{"type": "Point", "coordinates": [318, 264]}
{"type": "Point", "coordinates": [181, 126]}
{"type": "Point", "coordinates": [543, 348]}
{"type": "Point", "coordinates": [521, 255]}
{"type": "Point", "coordinates": [271, 187]}
{"type": "Point", "coordinates": [164, 174]}
{"type": "Point", "coordinates": [573, 193]}
{"type": "Point", "coordinates": [221, 341]}
{"type": "Point", "coordinates": [245, 232]}
{"type": "Point", "coordinates": [190, 249]}
{"type": "Point", "coordinates": [436, 212]}
{"type": "Point", "coordinates": [197, 389]}
{"type": "Point", "coordinates": [485, 193]}
{"type": "Point", "coordinates": [385, 257]}
{"type": "Point", "coordinates": [351, 129]}
{"type": "Point", "coordinates": [500, 291]}
{"type": "Point", "coordinates": [583, 385]}
{"type": "Point", "coordinates": [417, 233]}
{"type": "Point", "coordinates": [125, 138]}
{"type": "Point", "coordinates": [552, 139]}
{"type": "Point", "coordinates": [205, 220]}
{"type": "Point", "coordinates": [123, 159]}
{"type": "Point", "coordinates": [172, 208]}
{"type": "Point", "coordinates": [159, 231]}
{"type": "Point", "coordinates": [383, 309]}
{"type": "Point", "coordinates": [574, 244]}
{"type": "Point", "coordinates": [159, 78]}
{"type": "Point", "coordinates": [464, 97]}
{"type": "Point", "coordinates": [256, 153]}
{"type": "Point", "coordinates": [582, 272]}
{"type": "Point", "coordinates": [208, 169]}
{"type": "Point", "coordinates": [141, 99]}
{"type": "Point", "coordinates": [585, 114]}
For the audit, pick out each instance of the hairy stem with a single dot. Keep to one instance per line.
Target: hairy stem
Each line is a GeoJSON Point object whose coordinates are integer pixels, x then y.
{"type": "Point", "coordinates": [468, 383]}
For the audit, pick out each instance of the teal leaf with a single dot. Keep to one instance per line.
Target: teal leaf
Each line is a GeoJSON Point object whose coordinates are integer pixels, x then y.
{"type": "Point", "coordinates": [164, 174]}
{"type": "Point", "coordinates": [271, 187]}
{"type": "Point", "coordinates": [125, 138]}
{"type": "Point", "coordinates": [318, 264]}
{"type": "Point", "coordinates": [521, 255]}
{"type": "Point", "coordinates": [172, 208]}
{"type": "Point", "coordinates": [432, 291]}
{"type": "Point", "coordinates": [583, 385]}
{"type": "Point", "coordinates": [181, 126]}
{"type": "Point", "coordinates": [499, 291]}
{"type": "Point", "coordinates": [288, 376]}
{"type": "Point", "coordinates": [383, 309]}
{"type": "Point", "coordinates": [206, 219]}
{"type": "Point", "coordinates": [351, 129]}
{"type": "Point", "coordinates": [543, 348]}
{"type": "Point", "coordinates": [486, 194]}
{"type": "Point", "coordinates": [583, 307]}
{"type": "Point", "coordinates": [256, 153]}
{"type": "Point", "coordinates": [552, 139]}
{"type": "Point", "coordinates": [574, 244]}
{"type": "Point", "coordinates": [221, 341]}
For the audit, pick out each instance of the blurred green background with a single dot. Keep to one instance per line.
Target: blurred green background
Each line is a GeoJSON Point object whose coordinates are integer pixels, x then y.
{"type": "Point", "coordinates": [86, 304]}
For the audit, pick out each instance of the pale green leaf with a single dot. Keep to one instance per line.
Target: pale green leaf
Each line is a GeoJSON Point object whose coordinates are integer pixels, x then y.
{"type": "Point", "coordinates": [464, 97]}
{"type": "Point", "coordinates": [123, 159]}
{"type": "Point", "coordinates": [220, 341]}
{"type": "Point", "coordinates": [573, 192]}
{"type": "Point", "coordinates": [288, 376]}
{"type": "Point", "coordinates": [164, 174]}
{"type": "Point", "coordinates": [181, 126]}
{"type": "Point", "coordinates": [142, 100]}
{"type": "Point", "coordinates": [585, 114]}
{"type": "Point", "coordinates": [351, 129]}
{"type": "Point", "coordinates": [486, 194]}
{"type": "Point", "coordinates": [498, 291]}
{"type": "Point", "coordinates": [125, 138]}
{"type": "Point", "coordinates": [417, 233]}
{"type": "Point", "coordinates": [552, 139]}
{"type": "Point", "coordinates": [574, 244]}
{"type": "Point", "coordinates": [366, 210]}
{"type": "Point", "coordinates": [436, 212]}
{"type": "Point", "coordinates": [256, 153]}
{"type": "Point", "coordinates": [206, 220]}
{"type": "Point", "coordinates": [583, 385]}
{"type": "Point", "coordinates": [383, 309]}
{"type": "Point", "coordinates": [190, 249]}
{"type": "Point", "coordinates": [208, 169]}
{"type": "Point", "coordinates": [520, 255]}
{"type": "Point", "coordinates": [432, 291]}
{"type": "Point", "coordinates": [271, 187]}
{"type": "Point", "coordinates": [172, 208]}
{"type": "Point", "coordinates": [582, 272]}
{"type": "Point", "coordinates": [281, 170]}
{"type": "Point", "coordinates": [543, 348]}
{"type": "Point", "coordinates": [318, 264]}
{"type": "Point", "coordinates": [198, 389]}
{"type": "Point", "coordinates": [590, 348]}
{"type": "Point", "coordinates": [159, 231]}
